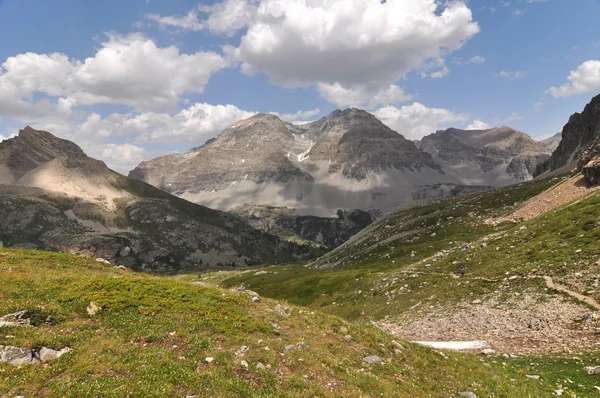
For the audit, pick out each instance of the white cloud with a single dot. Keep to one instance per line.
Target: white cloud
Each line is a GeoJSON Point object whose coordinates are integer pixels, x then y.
{"type": "Point", "coordinates": [511, 75]}
{"type": "Point", "coordinates": [416, 121]}
{"type": "Point", "coordinates": [347, 47]}
{"type": "Point", "coordinates": [229, 16]}
{"type": "Point", "coordinates": [518, 13]}
{"type": "Point", "coordinates": [478, 125]}
{"type": "Point", "coordinates": [584, 79]}
{"type": "Point", "coordinates": [119, 157]}
{"type": "Point", "coordinates": [477, 59]}
{"type": "Point", "coordinates": [298, 116]}
{"type": "Point", "coordinates": [3, 138]}
{"type": "Point", "coordinates": [224, 18]}
{"type": "Point", "coordinates": [189, 21]}
{"type": "Point", "coordinates": [355, 97]}
{"type": "Point", "coordinates": [129, 70]}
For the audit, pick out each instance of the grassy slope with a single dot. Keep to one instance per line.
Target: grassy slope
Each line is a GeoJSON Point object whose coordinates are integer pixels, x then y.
{"type": "Point", "coordinates": [563, 244]}
{"type": "Point", "coordinates": [387, 250]}
{"type": "Point", "coordinates": [152, 336]}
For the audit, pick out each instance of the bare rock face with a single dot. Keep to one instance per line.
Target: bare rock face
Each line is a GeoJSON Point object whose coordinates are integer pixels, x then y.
{"type": "Point", "coordinates": [552, 143]}
{"type": "Point", "coordinates": [580, 141]}
{"type": "Point", "coordinates": [59, 199]}
{"type": "Point", "coordinates": [256, 150]}
{"type": "Point", "coordinates": [493, 157]}
{"type": "Point", "coordinates": [358, 144]}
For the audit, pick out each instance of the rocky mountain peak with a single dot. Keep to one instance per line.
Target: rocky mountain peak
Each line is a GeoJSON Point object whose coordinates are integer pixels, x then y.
{"type": "Point", "coordinates": [580, 141]}
{"type": "Point", "coordinates": [501, 151]}
{"type": "Point", "coordinates": [30, 149]}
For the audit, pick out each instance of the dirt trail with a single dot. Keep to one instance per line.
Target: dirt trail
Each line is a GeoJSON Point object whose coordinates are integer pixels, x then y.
{"type": "Point", "coordinates": [561, 194]}
{"type": "Point", "coordinates": [588, 300]}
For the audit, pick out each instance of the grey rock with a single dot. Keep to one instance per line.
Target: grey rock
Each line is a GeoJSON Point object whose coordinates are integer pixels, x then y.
{"type": "Point", "coordinates": [15, 355]}
{"type": "Point", "coordinates": [373, 359]}
{"type": "Point", "coordinates": [592, 370]}
{"type": "Point", "coordinates": [93, 308]}
{"type": "Point", "coordinates": [255, 299]}
{"type": "Point", "coordinates": [48, 354]}
{"type": "Point", "coordinates": [289, 347]}
{"type": "Point", "coordinates": [467, 394]}
{"type": "Point", "coordinates": [348, 338]}
{"type": "Point", "coordinates": [260, 366]}
{"type": "Point", "coordinates": [533, 377]}
{"type": "Point", "coordinates": [20, 318]}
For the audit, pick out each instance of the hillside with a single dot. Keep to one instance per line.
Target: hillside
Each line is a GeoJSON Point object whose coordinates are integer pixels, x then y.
{"type": "Point", "coordinates": [58, 198]}
{"type": "Point", "coordinates": [443, 271]}
{"type": "Point", "coordinates": [137, 335]}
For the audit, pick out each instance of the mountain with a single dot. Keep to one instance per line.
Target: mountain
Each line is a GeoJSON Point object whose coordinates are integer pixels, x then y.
{"type": "Point", "coordinates": [492, 157]}
{"type": "Point", "coordinates": [580, 141]}
{"type": "Point", "coordinates": [348, 159]}
{"type": "Point", "coordinates": [551, 143]}
{"type": "Point", "coordinates": [55, 197]}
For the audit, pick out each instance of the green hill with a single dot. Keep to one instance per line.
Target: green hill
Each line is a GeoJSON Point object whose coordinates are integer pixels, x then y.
{"type": "Point", "coordinates": [152, 337]}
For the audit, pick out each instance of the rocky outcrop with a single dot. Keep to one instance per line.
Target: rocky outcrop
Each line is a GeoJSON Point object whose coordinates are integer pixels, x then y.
{"type": "Point", "coordinates": [492, 157]}
{"type": "Point", "coordinates": [580, 141]}
{"type": "Point", "coordinates": [328, 232]}
{"type": "Point", "coordinates": [591, 171]}
{"type": "Point", "coordinates": [18, 356]}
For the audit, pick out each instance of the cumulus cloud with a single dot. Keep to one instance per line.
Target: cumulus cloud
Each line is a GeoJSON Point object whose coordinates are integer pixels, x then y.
{"type": "Point", "coordinates": [478, 125]}
{"type": "Point", "coordinates": [355, 97]}
{"type": "Point", "coordinates": [416, 121]}
{"type": "Point", "coordinates": [127, 70]}
{"type": "Point", "coordinates": [120, 157]}
{"type": "Point", "coordinates": [354, 51]}
{"type": "Point", "coordinates": [300, 43]}
{"type": "Point", "coordinates": [584, 79]}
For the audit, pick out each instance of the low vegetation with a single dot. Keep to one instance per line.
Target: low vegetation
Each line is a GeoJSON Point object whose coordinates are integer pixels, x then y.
{"type": "Point", "coordinates": [155, 336]}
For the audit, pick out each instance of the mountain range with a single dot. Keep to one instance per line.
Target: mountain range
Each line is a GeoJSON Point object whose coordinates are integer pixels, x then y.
{"type": "Point", "coordinates": [347, 160]}
{"type": "Point", "coordinates": [55, 197]}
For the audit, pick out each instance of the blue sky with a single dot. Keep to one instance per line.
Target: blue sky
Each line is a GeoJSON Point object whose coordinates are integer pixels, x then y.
{"type": "Point", "coordinates": [130, 80]}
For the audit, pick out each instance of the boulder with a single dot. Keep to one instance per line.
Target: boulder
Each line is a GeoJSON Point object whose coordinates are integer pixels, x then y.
{"type": "Point", "coordinates": [591, 171]}
{"type": "Point", "coordinates": [20, 318]}
{"type": "Point", "coordinates": [372, 359]}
